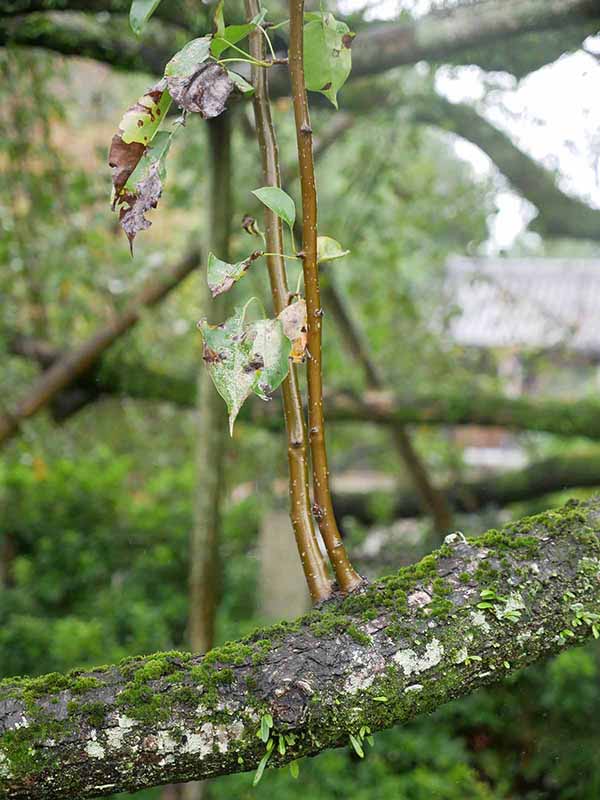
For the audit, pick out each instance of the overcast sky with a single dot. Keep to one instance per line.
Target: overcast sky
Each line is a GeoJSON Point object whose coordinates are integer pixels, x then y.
{"type": "Point", "coordinates": [552, 114]}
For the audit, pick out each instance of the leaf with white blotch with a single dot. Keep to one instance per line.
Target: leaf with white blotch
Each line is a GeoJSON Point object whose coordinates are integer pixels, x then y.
{"type": "Point", "coordinates": [221, 276]}
{"type": "Point", "coordinates": [278, 201]}
{"type": "Point", "coordinates": [143, 188]}
{"type": "Point", "coordinates": [327, 57]}
{"type": "Point", "coordinates": [140, 12]}
{"type": "Point", "coordinates": [272, 347]}
{"type": "Point", "coordinates": [243, 358]}
{"type": "Point", "coordinates": [227, 356]}
{"type": "Point", "coordinates": [328, 249]}
{"type": "Point", "coordinates": [295, 327]}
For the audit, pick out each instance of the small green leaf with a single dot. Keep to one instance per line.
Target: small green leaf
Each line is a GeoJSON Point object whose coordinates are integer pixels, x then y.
{"type": "Point", "coordinates": [370, 739]}
{"type": "Point", "coordinates": [186, 61]}
{"type": "Point", "coordinates": [354, 741]}
{"type": "Point", "coordinates": [485, 604]}
{"type": "Point", "coordinates": [219, 18]}
{"type": "Point", "coordinates": [221, 276]}
{"type": "Point", "coordinates": [241, 84]}
{"type": "Point", "coordinates": [328, 249]}
{"type": "Point", "coordinates": [140, 12]}
{"type": "Point", "coordinates": [381, 699]}
{"type": "Point", "coordinates": [281, 745]}
{"type": "Point", "coordinates": [294, 769]}
{"type": "Point", "coordinates": [261, 768]}
{"type": "Point", "coordinates": [278, 201]}
{"type": "Point", "coordinates": [488, 594]}
{"type": "Point", "coordinates": [327, 57]}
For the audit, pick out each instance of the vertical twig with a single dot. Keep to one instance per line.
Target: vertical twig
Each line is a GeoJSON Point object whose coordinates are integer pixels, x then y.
{"type": "Point", "coordinates": [300, 512]}
{"type": "Point", "coordinates": [347, 578]}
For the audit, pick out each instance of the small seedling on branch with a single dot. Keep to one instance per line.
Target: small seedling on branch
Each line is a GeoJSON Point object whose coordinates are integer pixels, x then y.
{"type": "Point", "coordinates": [253, 352]}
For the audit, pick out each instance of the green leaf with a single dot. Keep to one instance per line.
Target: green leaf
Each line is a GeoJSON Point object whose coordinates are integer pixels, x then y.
{"type": "Point", "coordinates": [219, 18]}
{"type": "Point", "coordinates": [328, 249]}
{"type": "Point", "coordinates": [241, 84]}
{"type": "Point", "coordinates": [232, 34]}
{"type": "Point", "coordinates": [221, 276]}
{"type": "Point", "coordinates": [140, 12]}
{"type": "Point", "coordinates": [278, 201]}
{"type": "Point", "coordinates": [356, 745]}
{"type": "Point", "coordinates": [485, 604]}
{"type": "Point", "coordinates": [140, 122]}
{"type": "Point", "coordinates": [381, 699]}
{"type": "Point", "coordinates": [243, 358]}
{"type": "Point", "coordinates": [261, 768]}
{"type": "Point", "coordinates": [186, 61]}
{"type": "Point", "coordinates": [294, 769]}
{"type": "Point", "coordinates": [327, 57]}
{"type": "Point", "coordinates": [281, 745]}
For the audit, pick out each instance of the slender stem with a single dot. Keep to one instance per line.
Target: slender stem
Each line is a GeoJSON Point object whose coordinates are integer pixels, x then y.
{"type": "Point", "coordinates": [313, 565]}
{"type": "Point", "coordinates": [347, 578]}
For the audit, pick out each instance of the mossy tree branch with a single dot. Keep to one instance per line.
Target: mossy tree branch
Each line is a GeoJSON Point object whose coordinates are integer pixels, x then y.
{"type": "Point", "coordinates": [400, 647]}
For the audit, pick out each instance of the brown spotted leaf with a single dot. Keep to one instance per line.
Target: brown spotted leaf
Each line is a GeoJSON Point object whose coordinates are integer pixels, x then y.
{"type": "Point", "coordinates": [294, 321]}
{"type": "Point", "coordinates": [221, 275]}
{"type": "Point", "coordinates": [143, 188]}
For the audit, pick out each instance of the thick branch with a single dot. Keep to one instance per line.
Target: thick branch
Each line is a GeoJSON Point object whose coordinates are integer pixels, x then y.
{"type": "Point", "coordinates": [399, 648]}
{"type": "Point", "coordinates": [70, 366]}
{"type": "Point", "coordinates": [538, 479]}
{"type": "Point", "coordinates": [559, 213]}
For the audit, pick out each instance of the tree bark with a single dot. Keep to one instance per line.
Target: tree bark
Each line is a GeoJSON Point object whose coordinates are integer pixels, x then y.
{"type": "Point", "coordinates": [401, 647]}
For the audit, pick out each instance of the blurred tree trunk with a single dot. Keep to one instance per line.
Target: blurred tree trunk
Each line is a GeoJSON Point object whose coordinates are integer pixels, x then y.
{"type": "Point", "coordinates": [212, 428]}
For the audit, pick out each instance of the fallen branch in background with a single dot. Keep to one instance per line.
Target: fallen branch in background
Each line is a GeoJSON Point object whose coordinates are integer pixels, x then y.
{"type": "Point", "coordinates": [70, 366]}
{"type": "Point", "coordinates": [464, 617]}
{"type": "Point", "coordinates": [499, 489]}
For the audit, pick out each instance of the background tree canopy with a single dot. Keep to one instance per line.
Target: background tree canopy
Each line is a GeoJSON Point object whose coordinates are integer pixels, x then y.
{"type": "Point", "coordinates": [460, 397]}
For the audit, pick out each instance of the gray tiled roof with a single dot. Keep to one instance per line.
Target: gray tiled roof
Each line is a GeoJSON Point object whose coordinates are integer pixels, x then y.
{"type": "Point", "coordinates": [530, 302]}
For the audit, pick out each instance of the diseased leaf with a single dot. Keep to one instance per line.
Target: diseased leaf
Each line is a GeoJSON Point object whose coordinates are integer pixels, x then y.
{"type": "Point", "coordinates": [221, 276]}
{"type": "Point", "coordinates": [272, 348]}
{"type": "Point", "coordinates": [243, 358]}
{"type": "Point", "coordinates": [140, 122]}
{"type": "Point", "coordinates": [136, 156]}
{"type": "Point", "coordinates": [327, 57]}
{"type": "Point", "coordinates": [293, 319]}
{"type": "Point", "coordinates": [204, 91]}
{"type": "Point", "coordinates": [328, 249]}
{"type": "Point", "coordinates": [143, 189]}
{"type": "Point", "coordinates": [188, 59]}
{"type": "Point", "coordinates": [227, 356]}
{"type": "Point", "coordinates": [140, 12]}
{"type": "Point", "coordinates": [278, 201]}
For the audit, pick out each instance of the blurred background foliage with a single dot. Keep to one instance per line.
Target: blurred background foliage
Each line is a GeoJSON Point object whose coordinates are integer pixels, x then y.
{"type": "Point", "coordinates": [95, 514]}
